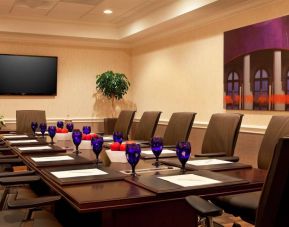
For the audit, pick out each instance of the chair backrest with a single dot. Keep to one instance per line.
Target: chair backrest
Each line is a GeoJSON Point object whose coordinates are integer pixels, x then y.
{"type": "Point", "coordinates": [277, 128]}
{"type": "Point", "coordinates": [222, 133]}
{"type": "Point", "coordinates": [25, 117]}
{"type": "Point", "coordinates": [124, 122]}
{"type": "Point", "coordinates": [274, 201]}
{"type": "Point", "coordinates": [147, 125]}
{"type": "Point", "coordinates": [179, 127]}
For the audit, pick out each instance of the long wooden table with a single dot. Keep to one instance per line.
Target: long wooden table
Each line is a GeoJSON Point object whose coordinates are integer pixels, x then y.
{"type": "Point", "coordinates": [124, 200]}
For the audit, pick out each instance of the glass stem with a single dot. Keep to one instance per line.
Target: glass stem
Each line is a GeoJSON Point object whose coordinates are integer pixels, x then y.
{"type": "Point", "coordinates": [183, 168]}
{"type": "Point", "coordinates": [133, 171]}
{"type": "Point", "coordinates": [77, 151]}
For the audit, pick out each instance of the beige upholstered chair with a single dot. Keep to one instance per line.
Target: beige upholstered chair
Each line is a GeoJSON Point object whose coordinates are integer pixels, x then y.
{"type": "Point", "coordinates": [221, 135]}
{"type": "Point", "coordinates": [245, 204]}
{"type": "Point", "coordinates": [25, 117]}
{"type": "Point", "coordinates": [178, 128]}
{"type": "Point", "coordinates": [274, 200]}
{"type": "Point", "coordinates": [124, 122]}
{"type": "Point", "coordinates": [147, 125]}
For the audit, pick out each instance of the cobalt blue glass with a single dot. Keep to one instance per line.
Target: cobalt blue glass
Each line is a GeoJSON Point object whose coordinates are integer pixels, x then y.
{"type": "Point", "coordinates": [132, 153]}
{"type": "Point", "coordinates": [51, 132]}
{"type": "Point", "coordinates": [59, 124]}
{"type": "Point", "coordinates": [69, 126]}
{"type": "Point", "coordinates": [183, 153]}
{"type": "Point", "coordinates": [43, 127]}
{"type": "Point", "coordinates": [97, 143]}
{"type": "Point", "coordinates": [117, 137]}
{"type": "Point", "coordinates": [34, 126]}
{"type": "Point", "coordinates": [157, 145]}
{"type": "Point", "coordinates": [76, 138]}
{"type": "Point", "coordinates": [86, 130]}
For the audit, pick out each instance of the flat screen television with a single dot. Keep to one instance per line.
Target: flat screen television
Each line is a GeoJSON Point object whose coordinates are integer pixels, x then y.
{"type": "Point", "coordinates": [28, 75]}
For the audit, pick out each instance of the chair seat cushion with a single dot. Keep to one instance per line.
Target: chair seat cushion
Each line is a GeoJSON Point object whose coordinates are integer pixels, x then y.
{"type": "Point", "coordinates": [14, 218]}
{"type": "Point", "coordinates": [244, 205]}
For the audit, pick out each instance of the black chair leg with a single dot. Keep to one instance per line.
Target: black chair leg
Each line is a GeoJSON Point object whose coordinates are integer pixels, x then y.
{"type": "Point", "coordinates": [236, 225]}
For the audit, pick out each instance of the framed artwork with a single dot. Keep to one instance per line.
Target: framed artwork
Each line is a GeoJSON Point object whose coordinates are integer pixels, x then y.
{"type": "Point", "coordinates": [256, 66]}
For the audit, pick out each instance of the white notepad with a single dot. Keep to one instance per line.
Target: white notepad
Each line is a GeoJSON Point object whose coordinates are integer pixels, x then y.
{"type": "Point", "coordinates": [14, 136]}
{"type": "Point", "coordinates": [189, 180]}
{"type": "Point", "coordinates": [78, 173]}
{"type": "Point", "coordinates": [52, 159]}
{"type": "Point", "coordinates": [204, 162]}
{"type": "Point", "coordinates": [23, 141]}
{"type": "Point", "coordinates": [35, 148]}
{"type": "Point", "coordinates": [165, 151]}
{"type": "Point", "coordinates": [107, 138]}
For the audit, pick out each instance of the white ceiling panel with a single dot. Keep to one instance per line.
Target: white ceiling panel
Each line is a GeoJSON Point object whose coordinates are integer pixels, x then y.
{"type": "Point", "coordinates": [67, 10]}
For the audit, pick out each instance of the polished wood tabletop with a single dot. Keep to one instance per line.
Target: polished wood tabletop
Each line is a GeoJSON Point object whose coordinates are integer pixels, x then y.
{"type": "Point", "coordinates": [130, 199]}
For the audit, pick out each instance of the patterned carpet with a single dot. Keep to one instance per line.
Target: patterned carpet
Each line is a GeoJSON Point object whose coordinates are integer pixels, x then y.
{"type": "Point", "coordinates": [227, 220]}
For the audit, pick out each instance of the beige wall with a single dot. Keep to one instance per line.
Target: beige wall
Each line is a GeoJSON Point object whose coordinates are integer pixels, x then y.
{"type": "Point", "coordinates": [182, 72]}
{"type": "Point", "coordinates": [77, 70]}
{"type": "Point", "coordinates": [185, 71]}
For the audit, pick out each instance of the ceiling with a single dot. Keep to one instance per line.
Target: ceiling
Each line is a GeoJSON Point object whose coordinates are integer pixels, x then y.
{"type": "Point", "coordinates": [131, 19]}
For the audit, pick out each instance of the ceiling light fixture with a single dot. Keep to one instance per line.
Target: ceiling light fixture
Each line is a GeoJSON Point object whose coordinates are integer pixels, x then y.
{"type": "Point", "coordinates": [107, 11]}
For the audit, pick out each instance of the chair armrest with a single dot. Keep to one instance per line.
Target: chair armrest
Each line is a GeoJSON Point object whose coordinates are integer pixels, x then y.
{"type": "Point", "coordinates": [10, 160]}
{"type": "Point", "coordinates": [3, 149]}
{"type": "Point", "coordinates": [8, 181]}
{"type": "Point", "coordinates": [35, 202]}
{"type": "Point", "coordinates": [8, 156]}
{"type": "Point", "coordinates": [14, 174]}
{"type": "Point", "coordinates": [210, 155]}
{"type": "Point", "coordinates": [203, 207]}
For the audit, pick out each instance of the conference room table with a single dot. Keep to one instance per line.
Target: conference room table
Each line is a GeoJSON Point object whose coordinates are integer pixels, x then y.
{"type": "Point", "coordinates": [119, 199]}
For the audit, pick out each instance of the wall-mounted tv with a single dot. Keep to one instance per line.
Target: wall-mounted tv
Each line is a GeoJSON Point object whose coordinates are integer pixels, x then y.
{"type": "Point", "coordinates": [28, 75]}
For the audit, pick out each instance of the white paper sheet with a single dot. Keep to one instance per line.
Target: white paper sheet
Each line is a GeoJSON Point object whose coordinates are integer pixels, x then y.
{"type": "Point", "coordinates": [78, 173]}
{"type": "Point", "coordinates": [164, 151]}
{"type": "Point", "coordinates": [35, 148]}
{"type": "Point", "coordinates": [204, 162]}
{"type": "Point", "coordinates": [107, 138]}
{"type": "Point", "coordinates": [23, 141]}
{"type": "Point", "coordinates": [14, 136]}
{"type": "Point", "coordinates": [188, 180]}
{"type": "Point", "coordinates": [52, 159]}
{"type": "Point", "coordinates": [40, 134]}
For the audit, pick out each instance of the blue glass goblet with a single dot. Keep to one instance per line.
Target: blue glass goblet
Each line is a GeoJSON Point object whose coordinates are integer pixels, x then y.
{"type": "Point", "coordinates": [117, 137]}
{"type": "Point", "coordinates": [51, 132]}
{"type": "Point", "coordinates": [59, 124]}
{"type": "Point", "coordinates": [132, 153]}
{"type": "Point", "coordinates": [97, 143]}
{"type": "Point", "coordinates": [183, 153]}
{"type": "Point", "coordinates": [76, 138]}
{"type": "Point", "coordinates": [43, 127]}
{"type": "Point", "coordinates": [34, 126]}
{"type": "Point", "coordinates": [69, 126]}
{"type": "Point", "coordinates": [157, 147]}
{"type": "Point", "coordinates": [86, 130]}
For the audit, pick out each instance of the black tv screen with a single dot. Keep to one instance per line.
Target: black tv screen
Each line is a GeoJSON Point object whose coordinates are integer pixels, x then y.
{"type": "Point", "coordinates": [28, 75]}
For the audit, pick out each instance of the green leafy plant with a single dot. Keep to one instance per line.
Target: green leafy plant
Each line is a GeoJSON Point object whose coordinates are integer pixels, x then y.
{"type": "Point", "coordinates": [112, 85]}
{"type": "Point", "coordinates": [2, 122]}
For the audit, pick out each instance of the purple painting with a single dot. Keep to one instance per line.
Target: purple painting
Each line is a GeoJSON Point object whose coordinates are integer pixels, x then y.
{"type": "Point", "coordinates": [256, 66]}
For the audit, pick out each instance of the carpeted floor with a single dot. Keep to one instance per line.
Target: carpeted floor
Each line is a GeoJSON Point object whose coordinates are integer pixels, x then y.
{"type": "Point", "coordinates": [227, 220]}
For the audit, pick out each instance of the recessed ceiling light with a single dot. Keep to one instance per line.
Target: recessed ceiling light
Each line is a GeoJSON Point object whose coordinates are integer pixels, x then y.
{"type": "Point", "coordinates": [107, 11]}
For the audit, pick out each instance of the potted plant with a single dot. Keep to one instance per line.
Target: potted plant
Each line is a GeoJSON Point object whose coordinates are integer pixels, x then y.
{"type": "Point", "coordinates": [2, 122]}
{"type": "Point", "coordinates": [113, 86]}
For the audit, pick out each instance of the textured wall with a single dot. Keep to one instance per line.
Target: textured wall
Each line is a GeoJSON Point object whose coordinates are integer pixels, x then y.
{"type": "Point", "coordinates": [77, 68]}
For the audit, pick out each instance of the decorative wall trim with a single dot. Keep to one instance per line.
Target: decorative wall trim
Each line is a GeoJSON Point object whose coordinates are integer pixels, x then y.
{"type": "Point", "coordinates": [253, 129]}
